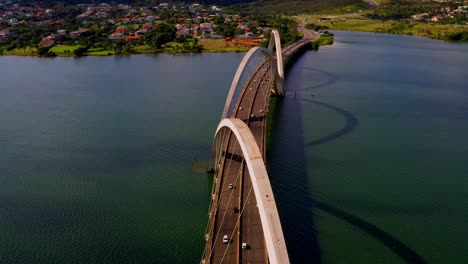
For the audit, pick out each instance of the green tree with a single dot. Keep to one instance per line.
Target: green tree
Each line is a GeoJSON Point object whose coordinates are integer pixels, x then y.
{"type": "Point", "coordinates": [162, 34]}
{"type": "Point", "coordinates": [44, 51]}
{"type": "Point", "coordinates": [80, 51]}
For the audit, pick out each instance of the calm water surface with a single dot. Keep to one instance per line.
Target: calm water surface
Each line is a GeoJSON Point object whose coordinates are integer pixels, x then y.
{"type": "Point", "coordinates": [96, 153]}
{"type": "Point", "coordinates": [369, 160]}
{"type": "Point", "coordinates": [383, 130]}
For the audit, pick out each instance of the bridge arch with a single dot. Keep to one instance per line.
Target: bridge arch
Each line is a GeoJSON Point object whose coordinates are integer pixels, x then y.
{"type": "Point", "coordinates": [275, 44]}
{"type": "Point", "coordinates": [255, 56]}
{"type": "Point", "coordinates": [273, 232]}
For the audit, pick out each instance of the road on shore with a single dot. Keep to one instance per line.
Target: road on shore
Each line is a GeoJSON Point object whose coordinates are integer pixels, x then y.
{"type": "Point", "coordinates": [310, 34]}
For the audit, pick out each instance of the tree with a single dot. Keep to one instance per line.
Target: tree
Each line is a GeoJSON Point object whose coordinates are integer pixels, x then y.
{"type": "Point", "coordinates": [162, 34]}
{"type": "Point", "coordinates": [44, 51]}
{"type": "Point", "coordinates": [80, 51]}
{"type": "Point", "coordinates": [226, 30]}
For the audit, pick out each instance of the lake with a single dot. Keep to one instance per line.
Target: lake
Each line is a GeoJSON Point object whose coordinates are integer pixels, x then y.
{"type": "Point", "coordinates": [100, 156]}
{"type": "Point", "coordinates": [384, 147]}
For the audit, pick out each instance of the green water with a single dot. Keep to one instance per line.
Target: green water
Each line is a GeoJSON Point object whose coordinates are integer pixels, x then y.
{"type": "Point", "coordinates": [96, 154]}
{"type": "Point", "coordinates": [385, 125]}
{"type": "Point", "coordinates": [368, 162]}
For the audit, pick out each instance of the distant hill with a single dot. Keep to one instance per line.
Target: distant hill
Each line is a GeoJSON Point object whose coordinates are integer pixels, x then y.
{"type": "Point", "coordinates": [257, 6]}
{"type": "Point", "coordinates": [291, 7]}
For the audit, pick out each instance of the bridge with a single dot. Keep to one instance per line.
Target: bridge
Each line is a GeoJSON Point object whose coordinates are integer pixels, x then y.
{"type": "Point", "coordinates": [244, 224]}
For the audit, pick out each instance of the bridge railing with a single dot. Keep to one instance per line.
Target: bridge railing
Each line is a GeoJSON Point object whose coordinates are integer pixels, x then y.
{"type": "Point", "coordinates": [253, 62]}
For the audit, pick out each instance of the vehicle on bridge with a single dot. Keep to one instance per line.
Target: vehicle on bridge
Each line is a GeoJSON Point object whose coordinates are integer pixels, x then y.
{"type": "Point", "coordinates": [225, 239]}
{"type": "Point", "coordinates": [241, 183]}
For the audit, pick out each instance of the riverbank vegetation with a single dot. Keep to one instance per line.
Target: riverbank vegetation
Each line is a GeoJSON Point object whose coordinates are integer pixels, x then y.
{"type": "Point", "coordinates": [118, 29]}
{"type": "Point", "coordinates": [447, 20]}
{"type": "Point", "coordinates": [448, 32]}
{"type": "Point", "coordinates": [294, 7]}
{"type": "Point", "coordinates": [326, 38]}
{"type": "Point", "coordinates": [113, 29]}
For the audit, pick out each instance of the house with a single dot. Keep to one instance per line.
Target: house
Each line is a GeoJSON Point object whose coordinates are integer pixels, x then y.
{"type": "Point", "coordinates": [120, 30]}
{"type": "Point", "coordinates": [76, 34]}
{"type": "Point", "coordinates": [13, 22]}
{"type": "Point", "coordinates": [420, 16]}
{"type": "Point", "coordinates": [141, 32]}
{"type": "Point", "coordinates": [48, 41]}
{"type": "Point", "coordinates": [116, 36]}
{"type": "Point", "coordinates": [182, 30]}
{"type": "Point", "coordinates": [135, 37]}
{"type": "Point", "coordinates": [62, 32]}
{"type": "Point", "coordinates": [101, 14]}
{"type": "Point", "coordinates": [124, 7]}
{"type": "Point", "coordinates": [250, 35]}
{"type": "Point", "coordinates": [195, 7]}
{"type": "Point", "coordinates": [147, 26]}
{"type": "Point", "coordinates": [5, 33]}
{"type": "Point", "coordinates": [216, 9]}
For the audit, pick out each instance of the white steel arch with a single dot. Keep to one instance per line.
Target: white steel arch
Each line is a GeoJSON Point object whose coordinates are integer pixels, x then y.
{"type": "Point", "coordinates": [273, 232]}
{"type": "Point", "coordinates": [245, 61]}
{"type": "Point", "coordinates": [275, 42]}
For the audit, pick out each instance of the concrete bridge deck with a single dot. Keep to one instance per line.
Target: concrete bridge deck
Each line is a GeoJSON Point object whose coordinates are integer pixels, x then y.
{"type": "Point", "coordinates": [234, 209]}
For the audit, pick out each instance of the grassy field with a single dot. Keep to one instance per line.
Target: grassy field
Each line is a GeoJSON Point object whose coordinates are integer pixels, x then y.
{"type": "Point", "coordinates": [99, 52]}
{"type": "Point", "coordinates": [292, 7]}
{"type": "Point", "coordinates": [29, 51]}
{"type": "Point", "coordinates": [354, 22]}
{"type": "Point", "coordinates": [64, 50]}
{"type": "Point", "coordinates": [143, 49]}
{"type": "Point", "coordinates": [209, 45]}
{"type": "Point", "coordinates": [322, 41]}
{"type": "Point", "coordinates": [219, 45]}
{"type": "Point", "coordinates": [435, 31]}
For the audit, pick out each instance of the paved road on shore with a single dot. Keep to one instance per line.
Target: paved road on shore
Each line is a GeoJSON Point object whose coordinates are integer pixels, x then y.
{"type": "Point", "coordinates": [309, 34]}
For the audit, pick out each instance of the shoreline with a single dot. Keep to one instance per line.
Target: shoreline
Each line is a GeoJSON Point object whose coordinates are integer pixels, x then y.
{"type": "Point", "coordinates": [403, 34]}
{"type": "Point", "coordinates": [220, 50]}
{"type": "Point", "coordinates": [454, 33]}
{"type": "Point", "coordinates": [122, 55]}
{"type": "Point", "coordinates": [209, 46]}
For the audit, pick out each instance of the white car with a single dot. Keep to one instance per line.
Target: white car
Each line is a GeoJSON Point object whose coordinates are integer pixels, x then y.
{"type": "Point", "coordinates": [225, 239]}
{"type": "Point", "coordinates": [231, 186]}
{"type": "Point", "coordinates": [245, 246]}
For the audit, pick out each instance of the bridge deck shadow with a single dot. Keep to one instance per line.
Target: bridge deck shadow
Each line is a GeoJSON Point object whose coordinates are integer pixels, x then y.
{"type": "Point", "coordinates": [291, 183]}
{"type": "Point", "coordinates": [351, 123]}
{"type": "Point", "coordinates": [289, 179]}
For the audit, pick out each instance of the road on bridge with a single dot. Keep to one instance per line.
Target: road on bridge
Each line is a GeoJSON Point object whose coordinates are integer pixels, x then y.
{"type": "Point", "coordinates": [234, 211]}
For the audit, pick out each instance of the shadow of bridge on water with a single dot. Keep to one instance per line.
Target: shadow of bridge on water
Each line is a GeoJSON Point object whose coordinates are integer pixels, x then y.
{"type": "Point", "coordinates": [290, 181]}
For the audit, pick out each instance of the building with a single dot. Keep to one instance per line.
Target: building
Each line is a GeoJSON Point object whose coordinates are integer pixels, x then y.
{"type": "Point", "coordinates": [5, 33]}
{"type": "Point", "coordinates": [48, 41]}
